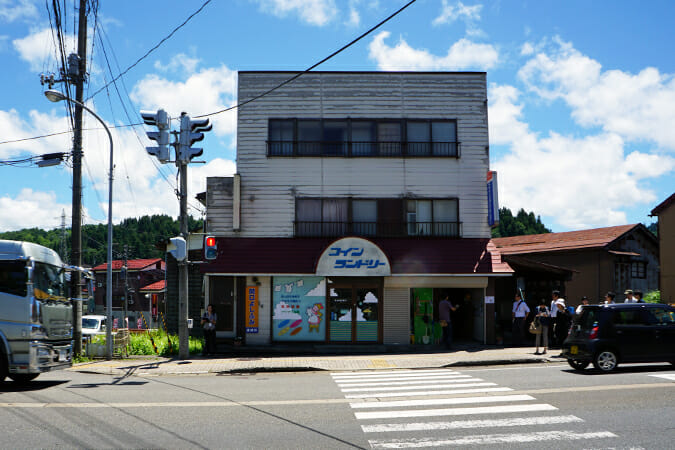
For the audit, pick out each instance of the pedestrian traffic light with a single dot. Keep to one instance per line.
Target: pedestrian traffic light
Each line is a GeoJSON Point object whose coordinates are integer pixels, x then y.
{"type": "Point", "coordinates": [210, 248]}
{"type": "Point", "coordinates": [191, 132]}
{"type": "Point", "coordinates": [162, 121]}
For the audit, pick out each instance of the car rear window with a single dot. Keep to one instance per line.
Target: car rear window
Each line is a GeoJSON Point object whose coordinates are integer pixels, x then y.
{"type": "Point", "coordinates": [630, 317]}
{"type": "Point", "coordinates": [662, 316]}
{"type": "Point", "coordinates": [589, 318]}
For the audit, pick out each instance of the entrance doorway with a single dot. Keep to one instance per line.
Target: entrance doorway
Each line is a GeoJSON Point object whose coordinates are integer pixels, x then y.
{"type": "Point", "coordinates": [222, 297]}
{"type": "Point", "coordinates": [355, 307]}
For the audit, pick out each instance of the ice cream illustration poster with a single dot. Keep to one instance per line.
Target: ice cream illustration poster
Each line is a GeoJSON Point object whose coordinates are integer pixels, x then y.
{"type": "Point", "coordinates": [299, 308]}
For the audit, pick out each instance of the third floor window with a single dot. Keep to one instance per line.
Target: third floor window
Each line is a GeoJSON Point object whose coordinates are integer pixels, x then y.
{"type": "Point", "coordinates": [362, 138]}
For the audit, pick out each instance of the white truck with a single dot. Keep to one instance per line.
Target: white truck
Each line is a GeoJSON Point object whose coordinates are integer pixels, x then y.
{"type": "Point", "coordinates": [36, 312]}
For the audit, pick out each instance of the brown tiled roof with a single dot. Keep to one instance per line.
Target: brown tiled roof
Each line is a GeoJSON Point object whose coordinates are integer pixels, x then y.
{"type": "Point", "coordinates": [663, 205]}
{"type": "Point", "coordinates": [156, 286]}
{"type": "Point", "coordinates": [132, 264]}
{"type": "Point", "coordinates": [549, 242]}
{"type": "Point", "coordinates": [407, 256]}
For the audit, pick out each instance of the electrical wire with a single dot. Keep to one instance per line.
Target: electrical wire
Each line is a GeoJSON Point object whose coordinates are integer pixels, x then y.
{"type": "Point", "coordinates": [299, 74]}
{"type": "Point", "coordinates": [153, 48]}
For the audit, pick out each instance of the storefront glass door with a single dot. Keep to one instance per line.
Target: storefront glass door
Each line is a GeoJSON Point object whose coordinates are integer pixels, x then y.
{"type": "Point", "coordinates": [354, 312]}
{"type": "Point", "coordinates": [221, 296]}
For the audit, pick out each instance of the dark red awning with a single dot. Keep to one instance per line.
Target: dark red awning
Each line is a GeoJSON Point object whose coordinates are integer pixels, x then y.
{"type": "Point", "coordinates": [406, 256]}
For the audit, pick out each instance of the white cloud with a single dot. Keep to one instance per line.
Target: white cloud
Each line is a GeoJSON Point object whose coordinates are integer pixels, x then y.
{"type": "Point", "coordinates": [314, 12]}
{"type": "Point", "coordinates": [30, 209]}
{"type": "Point", "coordinates": [180, 62]}
{"type": "Point", "coordinates": [459, 10]}
{"type": "Point", "coordinates": [354, 16]}
{"type": "Point", "coordinates": [11, 10]}
{"type": "Point", "coordinates": [462, 54]}
{"type": "Point", "coordinates": [635, 106]}
{"type": "Point", "coordinates": [578, 181]}
{"type": "Point", "coordinates": [205, 91]}
{"type": "Point", "coordinates": [319, 290]}
{"type": "Point", "coordinates": [38, 48]}
{"type": "Point", "coordinates": [526, 49]}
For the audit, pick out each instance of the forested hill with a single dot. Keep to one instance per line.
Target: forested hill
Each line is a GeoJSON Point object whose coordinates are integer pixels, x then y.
{"type": "Point", "coordinates": [140, 235]}
{"type": "Point", "coordinates": [520, 224]}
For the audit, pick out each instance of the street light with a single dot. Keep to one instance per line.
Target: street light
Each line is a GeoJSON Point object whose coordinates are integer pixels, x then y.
{"type": "Point", "coordinates": [56, 96]}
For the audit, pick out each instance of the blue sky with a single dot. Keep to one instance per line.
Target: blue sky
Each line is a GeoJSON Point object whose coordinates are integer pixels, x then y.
{"type": "Point", "coordinates": [581, 94]}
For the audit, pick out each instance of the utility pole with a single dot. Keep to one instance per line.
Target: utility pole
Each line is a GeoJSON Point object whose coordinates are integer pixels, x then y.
{"type": "Point", "coordinates": [126, 287]}
{"type": "Point", "coordinates": [183, 332]}
{"type": "Point", "coordinates": [76, 229]}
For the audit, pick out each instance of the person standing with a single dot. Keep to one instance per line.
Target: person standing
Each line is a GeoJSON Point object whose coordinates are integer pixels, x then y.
{"type": "Point", "coordinates": [444, 308]}
{"type": "Point", "coordinates": [543, 316]}
{"type": "Point", "coordinates": [584, 302]}
{"type": "Point", "coordinates": [209, 324]}
{"type": "Point", "coordinates": [629, 296]}
{"type": "Point", "coordinates": [519, 314]}
{"type": "Point", "coordinates": [563, 320]}
{"type": "Point", "coordinates": [555, 299]}
{"type": "Point", "coordinates": [638, 297]}
{"type": "Point", "coordinates": [609, 298]}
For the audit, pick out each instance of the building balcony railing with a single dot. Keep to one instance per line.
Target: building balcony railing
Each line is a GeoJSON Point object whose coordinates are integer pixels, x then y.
{"type": "Point", "coordinates": [378, 229]}
{"type": "Point", "coordinates": [363, 149]}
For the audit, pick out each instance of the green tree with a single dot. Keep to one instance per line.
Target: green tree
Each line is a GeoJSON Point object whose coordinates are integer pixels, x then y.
{"type": "Point", "coordinates": [523, 223]}
{"type": "Point", "coordinates": [141, 235]}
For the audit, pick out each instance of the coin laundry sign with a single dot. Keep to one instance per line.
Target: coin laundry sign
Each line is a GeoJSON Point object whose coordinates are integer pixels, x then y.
{"type": "Point", "coordinates": [354, 257]}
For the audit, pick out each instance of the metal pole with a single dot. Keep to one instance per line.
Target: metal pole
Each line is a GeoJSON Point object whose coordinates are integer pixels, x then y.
{"type": "Point", "coordinates": [56, 96]}
{"type": "Point", "coordinates": [183, 332]}
{"type": "Point", "coordinates": [76, 227]}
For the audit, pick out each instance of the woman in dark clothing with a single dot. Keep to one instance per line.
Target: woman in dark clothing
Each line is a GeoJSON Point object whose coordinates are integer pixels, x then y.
{"type": "Point", "coordinates": [209, 324]}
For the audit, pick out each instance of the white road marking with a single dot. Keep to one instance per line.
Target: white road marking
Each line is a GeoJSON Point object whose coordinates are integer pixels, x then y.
{"type": "Point", "coordinates": [667, 376]}
{"type": "Point", "coordinates": [501, 409]}
{"type": "Point", "coordinates": [539, 436]}
{"type": "Point", "coordinates": [426, 393]}
{"type": "Point", "coordinates": [403, 378]}
{"type": "Point", "coordinates": [389, 372]}
{"type": "Point", "coordinates": [443, 401]}
{"type": "Point", "coordinates": [463, 424]}
{"type": "Point", "coordinates": [423, 386]}
{"type": "Point", "coordinates": [405, 383]}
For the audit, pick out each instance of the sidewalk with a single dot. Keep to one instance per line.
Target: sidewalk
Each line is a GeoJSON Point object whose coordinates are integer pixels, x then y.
{"type": "Point", "coordinates": [465, 355]}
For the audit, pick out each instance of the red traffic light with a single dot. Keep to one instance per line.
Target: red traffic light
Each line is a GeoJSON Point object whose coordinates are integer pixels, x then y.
{"type": "Point", "coordinates": [210, 248]}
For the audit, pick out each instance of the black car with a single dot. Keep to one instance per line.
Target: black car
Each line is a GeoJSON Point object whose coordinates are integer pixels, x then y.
{"type": "Point", "coordinates": [607, 335]}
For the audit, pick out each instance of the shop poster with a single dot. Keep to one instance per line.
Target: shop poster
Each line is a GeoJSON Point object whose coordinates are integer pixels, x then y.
{"type": "Point", "coordinates": [425, 329]}
{"type": "Point", "coordinates": [299, 309]}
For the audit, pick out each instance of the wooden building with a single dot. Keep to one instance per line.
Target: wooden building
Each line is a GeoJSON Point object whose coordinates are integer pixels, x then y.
{"type": "Point", "coordinates": [666, 230]}
{"type": "Point", "coordinates": [600, 260]}
{"type": "Point", "coordinates": [360, 200]}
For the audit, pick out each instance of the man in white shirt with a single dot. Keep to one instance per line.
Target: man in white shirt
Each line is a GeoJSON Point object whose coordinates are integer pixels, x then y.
{"type": "Point", "coordinates": [555, 295]}
{"type": "Point", "coordinates": [518, 314]}
{"type": "Point", "coordinates": [629, 296]}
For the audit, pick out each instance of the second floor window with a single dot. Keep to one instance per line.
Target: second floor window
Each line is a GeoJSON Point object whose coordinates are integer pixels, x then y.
{"type": "Point", "coordinates": [395, 217]}
{"type": "Point", "coordinates": [362, 138]}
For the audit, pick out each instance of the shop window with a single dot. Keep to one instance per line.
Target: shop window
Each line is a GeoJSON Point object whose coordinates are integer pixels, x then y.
{"type": "Point", "coordinates": [299, 309]}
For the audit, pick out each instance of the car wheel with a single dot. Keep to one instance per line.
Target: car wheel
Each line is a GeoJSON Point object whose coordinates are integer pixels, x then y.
{"type": "Point", "coordinates": [23, 377]}
{"type": "Point", "coordinates": [606, 361]}
{"type": "Point", "coordinates": [3, 367]}
{"type": "Point", "coordinates": [577, 365]}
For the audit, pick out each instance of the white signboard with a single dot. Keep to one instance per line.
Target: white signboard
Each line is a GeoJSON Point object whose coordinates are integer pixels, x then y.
{"type": "Point", "coordinates": [353, 257]}
{"type": "Point", "coordinates": [489, 299]}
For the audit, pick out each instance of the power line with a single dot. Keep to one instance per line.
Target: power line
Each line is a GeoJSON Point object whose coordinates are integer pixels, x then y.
{"type": "Point", "coordinates": [298, 75]}
{"type": "Point", "coordinates": [153, 48]}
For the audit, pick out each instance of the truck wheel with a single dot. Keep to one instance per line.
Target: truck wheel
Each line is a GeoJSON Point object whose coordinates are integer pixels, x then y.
{"type": "Point", "coordinates": [605, 360]}
{"type": "Point", "coordinates": [23, 377]}
{"type": "Point", "coordinates": [577, 365]}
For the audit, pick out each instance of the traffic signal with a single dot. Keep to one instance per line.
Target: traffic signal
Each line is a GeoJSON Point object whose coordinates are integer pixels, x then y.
{"type": "Point", "coordinates": [162, 121]}
{"type": "Point", "coordinates": [191, 132]}
{"type": "Point", "coordinates": [210, 248]}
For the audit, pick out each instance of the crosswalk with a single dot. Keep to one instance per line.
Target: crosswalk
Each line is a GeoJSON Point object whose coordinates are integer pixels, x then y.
{"type": "Point", "coordinates": [453, 409]}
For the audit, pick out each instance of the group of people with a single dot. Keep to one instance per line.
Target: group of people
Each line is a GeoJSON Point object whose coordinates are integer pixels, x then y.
{"type": "Point", "coordinates": [555, 321]}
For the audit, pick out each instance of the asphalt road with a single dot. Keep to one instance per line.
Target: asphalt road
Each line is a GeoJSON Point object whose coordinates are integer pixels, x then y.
{"type": "Point", "coordinates": [527, 406]}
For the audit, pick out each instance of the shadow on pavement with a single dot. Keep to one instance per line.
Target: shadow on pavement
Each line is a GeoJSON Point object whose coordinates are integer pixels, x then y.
{"type": "Point", "coordinates": [36, 385]}
{"type": "Point", "coordinates": [623, 370]}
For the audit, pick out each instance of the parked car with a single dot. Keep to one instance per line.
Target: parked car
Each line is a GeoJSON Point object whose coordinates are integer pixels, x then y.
{"type": "Point", "coordinates": [93, 324]}
{"type": "Point", "coordinates": [607, 335]}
